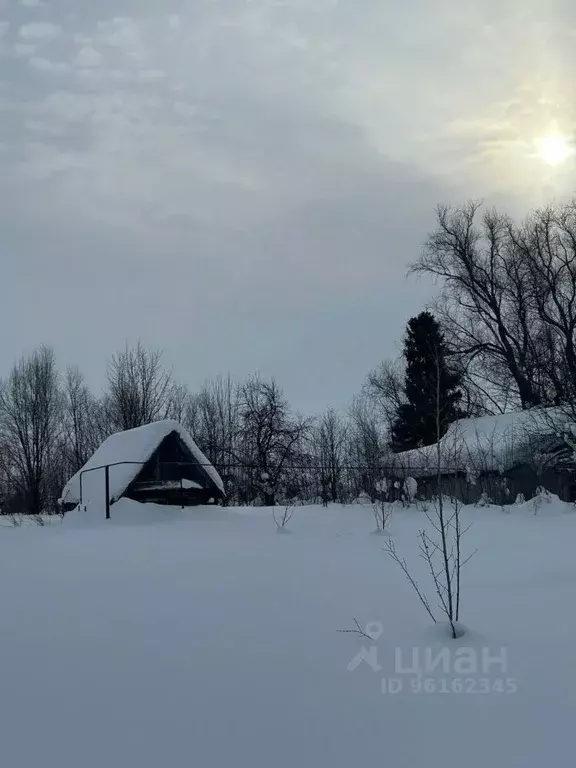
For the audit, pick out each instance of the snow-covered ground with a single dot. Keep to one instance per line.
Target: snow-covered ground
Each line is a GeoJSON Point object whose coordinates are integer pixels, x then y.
{"type": "Point", "coordinates": [202, 638]}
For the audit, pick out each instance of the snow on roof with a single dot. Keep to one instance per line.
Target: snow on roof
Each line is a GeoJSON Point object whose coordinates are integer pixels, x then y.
{"type": "Point", "coordinates": [134, 445]}
{"type": "Point", "coordinates": [484, 444]}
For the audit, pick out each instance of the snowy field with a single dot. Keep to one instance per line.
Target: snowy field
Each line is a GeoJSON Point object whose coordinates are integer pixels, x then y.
{"type": "Point", "coordinates": [203, 638]}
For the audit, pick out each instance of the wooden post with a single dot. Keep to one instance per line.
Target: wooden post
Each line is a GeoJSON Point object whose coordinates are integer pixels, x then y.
{"type": "Point", "coordinates": [181, 493]}
{"type": "Point", "coordinates": [107, 485]}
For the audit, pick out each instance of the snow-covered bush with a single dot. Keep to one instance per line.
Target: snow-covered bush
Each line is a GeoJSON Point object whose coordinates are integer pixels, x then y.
{"type": "Point", "coordinates": [544, 495]}
{"type": "Point", "coordinates": [381, 486]}
{"type": "Point", "coordinates": [541, 497]}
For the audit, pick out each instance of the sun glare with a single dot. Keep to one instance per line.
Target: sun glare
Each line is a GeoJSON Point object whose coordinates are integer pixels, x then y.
{"type": "Point", "coordinates": [555, 148]}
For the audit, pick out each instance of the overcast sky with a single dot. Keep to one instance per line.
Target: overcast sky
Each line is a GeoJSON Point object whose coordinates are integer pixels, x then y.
{"type": "Point", "coordinates": [243, 182]}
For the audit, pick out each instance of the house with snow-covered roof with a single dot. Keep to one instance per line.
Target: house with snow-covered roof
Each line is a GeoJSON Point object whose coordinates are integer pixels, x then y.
{"type": "Point", "coordinates": [501, 456]}
{"type": "Point", "coordinates": [158, 462]}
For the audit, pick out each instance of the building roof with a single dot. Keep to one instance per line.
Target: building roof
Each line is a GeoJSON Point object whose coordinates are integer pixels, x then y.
{"type": "Point", "coordinates": [134, 445]}
{"type": "Point", "coordinates": [485, 444]}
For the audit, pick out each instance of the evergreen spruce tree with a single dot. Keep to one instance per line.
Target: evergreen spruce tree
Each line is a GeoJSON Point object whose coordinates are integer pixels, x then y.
{"type": "Point", "coordinates": [426, 365]}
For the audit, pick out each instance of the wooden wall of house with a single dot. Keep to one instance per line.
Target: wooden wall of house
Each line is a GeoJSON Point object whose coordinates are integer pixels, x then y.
{"type": "Point", "coordinates": [163, 464]}
{"type": "Point", "coordinates": [502, 489]}
{"type": "Point", "coordinates": [171, 462]}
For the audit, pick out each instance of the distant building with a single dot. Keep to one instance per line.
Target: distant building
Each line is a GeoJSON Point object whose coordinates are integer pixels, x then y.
{"type": "Point", "coordinates": [158, 462]}
{"type": "Point", "coordinates": [500, 456]}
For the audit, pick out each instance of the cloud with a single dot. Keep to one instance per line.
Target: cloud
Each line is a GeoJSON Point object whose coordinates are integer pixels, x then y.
{"type": "Point", "coordinates": [152, 75]}
{"type": "Point", "coordinates": [39, 30]}
{"type": "Point", "coordinates": [46, 65]}
{"type": "Point", "coordinates": [4, 27]}
{"type": "Point", "coordinates": [253, 95]}
{"type": "Point", "coordinates": [24, 49]}
{"type": "Point", "coordinates": [296, 150]}
{"type": "Point", "coordinates": [88, 57]}
{"type": "Point", "coordinates": [32, 3]}
{"type": "Point", "coordinates": [121, 32]}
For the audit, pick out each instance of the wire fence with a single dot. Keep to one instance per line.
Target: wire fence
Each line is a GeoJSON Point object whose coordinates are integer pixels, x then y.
{"type": "Point", "coordinates": [303, 483]}
{"type": "Point", "coordinates": [300, 483]}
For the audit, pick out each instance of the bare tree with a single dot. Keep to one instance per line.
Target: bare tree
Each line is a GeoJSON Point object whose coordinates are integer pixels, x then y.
{"type": "Point", "coordinates": [6, 479]}
{"type": "Point", "coordinates": [440, 544]}
{"type": "Point", "coordinates": [212, 417]}
{"type": "Point", "coordinates": [385, 389]}
{"type": "Point", "coordinates": [83, 427]}
{"type": "Point", "coordinates": [487, 309]}
{"type": "Point", "coordinates": [366, 446]}
{"type": "Point", "coordinates": [283, 519]}
{"type": "Point", "coordinates": [382, 510]}
{"type": "Point", "coordinates": [269, 435]}
{"type": "Point", "coordinates": [547, 244]}
{"type": "Point", "coordinates": [390, 548]}
{"type": "Point", "coordinates": [139, 388]}
{"type": "Point", "coordinates": [30, 423]}
{"type": "Point", "coordinates": [219, 420]}
{"type": "Point", "coordinates": [509, 300]}
{"type": "Point", "coordinates": [329, 446]}
{"type": "Point", "coordinates": [178, 403]}
{"type": "Point", "coordinates": [448, 528]}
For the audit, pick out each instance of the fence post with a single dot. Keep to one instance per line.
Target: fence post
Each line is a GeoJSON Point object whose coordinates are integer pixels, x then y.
{"type": "Point", "coordinates": [107, 486]}
{"type": "Point", "coordinates": [181, 493]}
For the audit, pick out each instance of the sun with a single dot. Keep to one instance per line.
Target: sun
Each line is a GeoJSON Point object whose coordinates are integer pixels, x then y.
{"type": "Point", "coordinates": [555, 148]}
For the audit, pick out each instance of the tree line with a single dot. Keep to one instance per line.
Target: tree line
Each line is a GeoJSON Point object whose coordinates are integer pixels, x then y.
{"type": "Point", "coordinates": [501, 336]}
{"type": "Point", "coordinates": [51, 423]}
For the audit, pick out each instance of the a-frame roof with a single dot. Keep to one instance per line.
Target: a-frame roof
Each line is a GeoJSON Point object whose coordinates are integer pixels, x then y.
{"type": "Point", "coordinates": [135, 445]}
